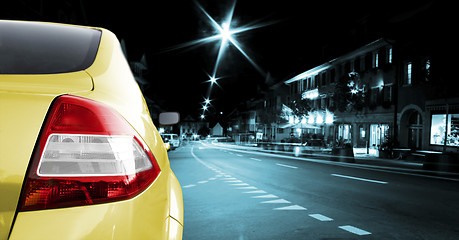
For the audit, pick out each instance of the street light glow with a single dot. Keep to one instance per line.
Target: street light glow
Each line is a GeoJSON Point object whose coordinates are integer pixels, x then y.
{"type": "Point", "coordinates": [225, 33]}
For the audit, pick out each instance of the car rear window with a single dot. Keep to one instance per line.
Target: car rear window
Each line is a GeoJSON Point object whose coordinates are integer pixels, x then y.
{"type": "Point", "coordinates": [39, 48]}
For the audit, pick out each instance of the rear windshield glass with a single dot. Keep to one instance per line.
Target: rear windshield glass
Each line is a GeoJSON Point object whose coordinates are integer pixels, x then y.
{"type": "Point", "coordinates": [38, 48]}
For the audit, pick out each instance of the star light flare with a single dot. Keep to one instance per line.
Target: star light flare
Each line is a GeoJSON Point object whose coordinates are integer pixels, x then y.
{"type": "Point", "coordinates": [225, 33]}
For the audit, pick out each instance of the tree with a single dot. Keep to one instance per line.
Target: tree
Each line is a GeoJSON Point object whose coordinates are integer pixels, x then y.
{"type": "Point", "coordinates": [350, 94]}
{"type": "Point", "coordinates": [301, 106]}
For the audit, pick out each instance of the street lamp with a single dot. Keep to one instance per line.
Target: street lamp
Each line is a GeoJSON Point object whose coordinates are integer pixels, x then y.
{"type": "Point", "coordinates": [213, 80]}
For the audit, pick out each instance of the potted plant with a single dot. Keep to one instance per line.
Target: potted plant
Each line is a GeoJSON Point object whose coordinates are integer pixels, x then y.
{"type": "Point", "coordinates": [343, 151]}
{"type": "Point", "coordinates": [386, 148]}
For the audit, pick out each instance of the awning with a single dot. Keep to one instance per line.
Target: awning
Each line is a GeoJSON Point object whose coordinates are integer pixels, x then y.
{"type": "Point", "coordinates": [299, 125]}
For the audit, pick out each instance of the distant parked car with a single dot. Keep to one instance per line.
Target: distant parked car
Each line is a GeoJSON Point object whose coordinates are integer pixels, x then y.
{"type": "Point", "coordinates": [173, 140]}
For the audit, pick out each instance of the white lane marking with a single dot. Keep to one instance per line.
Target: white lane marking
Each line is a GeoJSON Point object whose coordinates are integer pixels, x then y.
{"type": "Point", "coordinates": [256, 191]}
{"type": "Point", "coordinates": [232, 178]}
{"type": "Point", "coordinates": [288, 166]}
{"type": "Point", "coordinates": [202, 182]}
{"type": "Point", "coordinates": [227, 175]}
{"type": "Point", "coordinates": [292, 207]}
{"type": "Point", "coordinates": [321, 217]}
{"type": "Point", "coordinates": [239, 184]}
{"type": "Point", "coordinates": [255, 159]}
{"type": "Point", "coordinates": [355, 230]}
{"type": "Point", "coordinates": [276, 201]}
{"type": "Point", "coordinates": [246, 188]}
{"type": "Point", "coordinates": [266, 196]}
{"type": "Point", "coordinates": [239, 155]}
{"type": "Point", "coordinates": [212, 178]}
{"type": "Point", "coordinates": [360, 179]}
{"type": "Point", "coordinates": [234, 181]}
{"type": "Point", "coordinates": [188, 186]}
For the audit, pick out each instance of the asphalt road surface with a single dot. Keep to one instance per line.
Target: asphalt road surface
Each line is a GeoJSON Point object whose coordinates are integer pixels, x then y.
{"type": "Point", "coordinates": [239, 194]}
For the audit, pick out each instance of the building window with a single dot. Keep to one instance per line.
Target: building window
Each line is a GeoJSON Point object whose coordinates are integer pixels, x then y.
{"type": "Point", "coordinates": [408, 73]}
{"type": "Point", "coordinates": [375, 59]}
{"type": "Point", "coordinates": [357, 65]}
{"type": "Point", "coordinates": [387, 91]}
{"type": "Point", "coordinates": [324, 79]}
{"type": "Point", "coordinates": [427, 70]}
{"type": "Point", "coordinates": [374, 92]}
{"type": "Point", "coordinates": [389, 55]}
{"type": "Point", "coordinates": [332, 75]}
{"type": "Point", "coordinates": [367, 62]}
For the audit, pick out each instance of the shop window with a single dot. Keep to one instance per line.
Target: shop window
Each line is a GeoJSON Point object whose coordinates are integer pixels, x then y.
{"type": "Point", "coordinates": [439, 124]}
{"type": "Point", "coordinates": [378, 134]}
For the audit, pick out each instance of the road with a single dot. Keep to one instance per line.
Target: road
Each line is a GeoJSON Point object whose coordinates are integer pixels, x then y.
{"type": "Point", "coordinates": [239, 194]}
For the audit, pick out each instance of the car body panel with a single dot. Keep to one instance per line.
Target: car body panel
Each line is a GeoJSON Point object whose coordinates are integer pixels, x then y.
{"type": "Point", "coordinates": [22, 115]}
{"type": "Point", "coordinates": [156, 213]}
{"type": "Point", "coordinates": [47, 83]}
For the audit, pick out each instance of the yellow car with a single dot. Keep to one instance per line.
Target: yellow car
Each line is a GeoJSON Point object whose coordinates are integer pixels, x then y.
{"type": "Point", "coordinates": [80, 157]}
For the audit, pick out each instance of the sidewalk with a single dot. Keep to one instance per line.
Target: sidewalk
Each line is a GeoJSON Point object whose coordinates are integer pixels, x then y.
{"type": "Point", "coordinates": [412, 164]}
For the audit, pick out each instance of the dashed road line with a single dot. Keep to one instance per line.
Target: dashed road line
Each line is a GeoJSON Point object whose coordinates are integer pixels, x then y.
{"type": "Point", "coordinates": [251, 187]}
{"type": "Point", "coordinates": [234, 181]}
{"type": "Point", "coordinates": [292, 207]}
{"type": "Point", "coordinates": [245, 186]}
{"type": "Point", "coordinates": [355, 230]}
{"type": "Point", "coordinates": [240, 184]}
{"type": "Point", "coordinates": [321, 217]}
{"type": "Point", "coordinates": [256, 191]}
{"type": "Point", "coordinates": [239, 155]}
{"type": "Point", "coordinates": [277, 201]}
{"type": "Point", "coordinates": [266, 196]}
{"type": "Point", "coordinates": [360, 179]}
{"type": "Point", "coordinates": [288, 166]}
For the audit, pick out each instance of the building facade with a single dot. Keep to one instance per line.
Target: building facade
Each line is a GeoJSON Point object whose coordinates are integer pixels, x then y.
{"type": "Point", "coordinates": [350, 98]}
{"type": "Point", "coordinates": [384, 93]}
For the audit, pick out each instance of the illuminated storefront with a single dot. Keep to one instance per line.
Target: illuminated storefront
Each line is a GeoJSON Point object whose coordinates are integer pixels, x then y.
{"type": "Point", "coordinates": [441, 125]}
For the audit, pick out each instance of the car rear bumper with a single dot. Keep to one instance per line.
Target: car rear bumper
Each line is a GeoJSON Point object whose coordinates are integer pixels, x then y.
{"type": "Point", "coordinates": [146, 216]}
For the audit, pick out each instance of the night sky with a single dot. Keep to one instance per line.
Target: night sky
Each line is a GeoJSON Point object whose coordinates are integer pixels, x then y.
{"type": "Point", "coordinates": [291, 41]}
{"type": "Point", "coordinates": [295, 36]}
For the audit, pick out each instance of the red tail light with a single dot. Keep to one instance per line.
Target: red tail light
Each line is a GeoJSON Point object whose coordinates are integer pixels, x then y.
{"type": "Point", "coordinates": [87, 154]}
